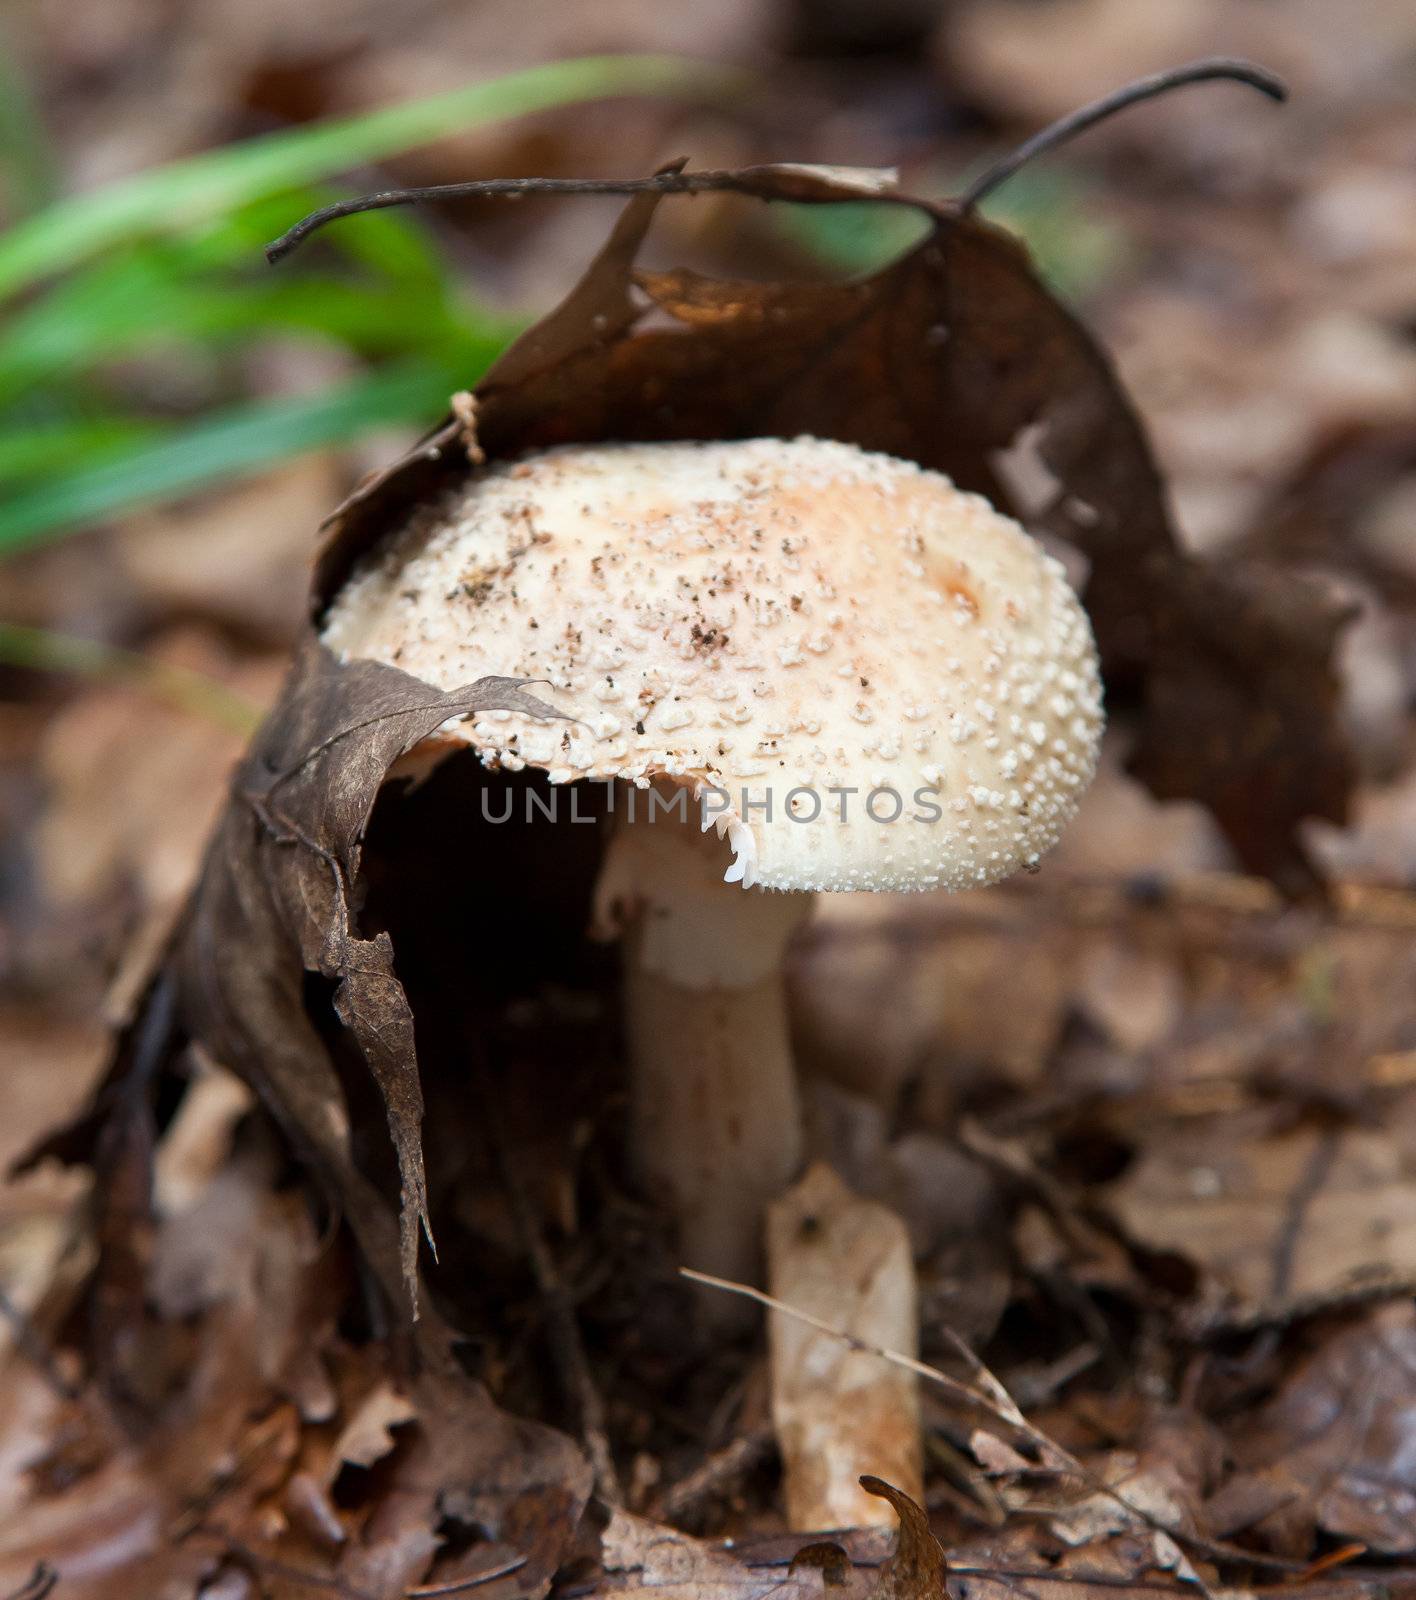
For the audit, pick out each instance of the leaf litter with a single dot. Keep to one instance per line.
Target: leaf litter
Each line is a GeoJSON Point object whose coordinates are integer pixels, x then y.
{"type": "Point", "coordinates": [278, 1426]}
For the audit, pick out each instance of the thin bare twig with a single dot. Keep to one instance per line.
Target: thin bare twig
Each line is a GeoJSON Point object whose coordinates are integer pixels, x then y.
{"type": "Point", "coordinates": [40, 1584]}
{"type": "Point", "coordinates": [1055, 1458]}
{"type": "Point", "coordinates": [1038, 1384]}
{"type": "Point", "coordinates": [1006, 1405]}
{"type": "Point", "coordinates": [1098, 1580]}
{"type": "Point", "coordinates": [961, 1391]}
{"type": "Point", "coordinates": [1209, 70]}
{"type": "Point", "coordinates": [745, 181]}
{"type": "Point", "coordinates": [427, 1591]}
{"type": "Point", "coordinates": [1316, 1171]}
{"type": "Point", "coordinates": [1379, 1577]}
{"type": "Point", "coordinates": [1345, 1298]}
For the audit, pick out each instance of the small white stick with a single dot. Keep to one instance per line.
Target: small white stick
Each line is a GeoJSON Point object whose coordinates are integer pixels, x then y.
{"type": "Point", "coordinates": [962, 1391]}
{"type": "Point", "coordinates": [1061, 1460]}
{"type": "Point", "coordinates": [838, 1412]}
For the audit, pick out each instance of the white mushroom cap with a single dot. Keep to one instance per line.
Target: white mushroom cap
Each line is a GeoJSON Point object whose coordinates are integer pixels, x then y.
{"type": "Point", "coordinates": [872, 679]}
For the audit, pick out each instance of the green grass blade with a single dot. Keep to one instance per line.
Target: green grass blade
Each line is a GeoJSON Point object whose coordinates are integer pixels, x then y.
{"type": "Point", "coordinates": [43, 651]}
{"type": "Point", "coordinates": [204, 186]}
{"type": "Point", "coordinates": [78, 326]}
{"type": "Point", "coordinates": [27, 453]}
{"type": "Point", "coordinates": [225, 445]}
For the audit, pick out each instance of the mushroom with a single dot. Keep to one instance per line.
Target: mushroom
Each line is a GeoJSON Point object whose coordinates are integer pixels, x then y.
{"type": "Point", "coordinates": [805, 668]}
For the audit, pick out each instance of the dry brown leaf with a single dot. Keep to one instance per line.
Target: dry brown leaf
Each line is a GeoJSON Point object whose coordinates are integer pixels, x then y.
{"type": "Point", "coordinates": [638, 1554]}
{"type": "Point", "coordinates": [1272, 1216]}
{"type": "Point", "coordinates": [274, 903]}
{"type": "Point", "coordinates": [277, 889]}
{"type": "Point", "coordinates": [1334, 1449]}
{"type": "Point", "coordinates": [202, 1481]}
{"type": "Point", "coordinates": [954, 356]}
{"type": "Point", "coordinates": [918, 1569]}
{"type": "Point", "coordinates": [367, 1436]}
{"type": "Point", "coordinates": [643, 1556]}
{"type": "Point", "coordinates": [828, 1558]}
{"type": "Point", "coordinates": [1242, 702]}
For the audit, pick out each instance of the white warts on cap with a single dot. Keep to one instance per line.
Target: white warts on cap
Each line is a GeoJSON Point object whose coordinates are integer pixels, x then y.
{"type": "Point", "coordinates": [783, 627]}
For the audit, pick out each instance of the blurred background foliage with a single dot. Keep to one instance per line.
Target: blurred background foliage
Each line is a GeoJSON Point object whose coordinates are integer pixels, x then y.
{"type": "Point", "coordinates": [125, 312]}
{"type": "Point", "coordinates": [191, 413]}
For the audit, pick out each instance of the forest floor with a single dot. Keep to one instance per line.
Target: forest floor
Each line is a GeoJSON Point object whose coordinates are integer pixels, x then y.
{"type": "Point", "coordinates": [1176, 1111]}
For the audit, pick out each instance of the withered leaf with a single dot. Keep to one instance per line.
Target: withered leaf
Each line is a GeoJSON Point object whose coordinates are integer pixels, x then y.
{"type": "Point", "coordinates": [522, 1486]}
{"type": "Point", "coordinates": [828, 1558]}
{"type": "Point", "coordinates": [368, 1435]}
{"type": "Point", "coordinates": [645, 1557]}
{"type": "Point", "coordinates": [955, 356]}
{"type": "Point", "coordinates": [1242, 707]}
{"type": "Point", "coordinates": [274, 903]}
{"type": "Point", "coordinates": [1332, 1449]}
{"type": "Point", "coordinates": [639, 1556]}
{"type": "Point", "coordinates": [918, 1568]}
{"type": "Point", "coordinates": [1256, 1253]}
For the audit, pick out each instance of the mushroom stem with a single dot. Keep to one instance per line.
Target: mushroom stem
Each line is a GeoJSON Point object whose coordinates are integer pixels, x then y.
{"type": "Point", "coordinates": [716, 1122]}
